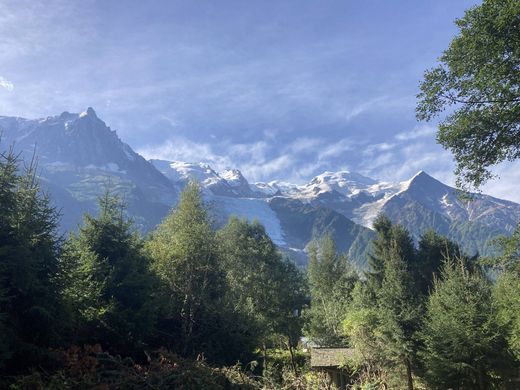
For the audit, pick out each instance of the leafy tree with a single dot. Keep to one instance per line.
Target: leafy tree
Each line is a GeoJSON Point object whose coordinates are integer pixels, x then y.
{"type": "Point", "coordinates": [108, 281]}
{"type": "Point", "coordinates": [184, 257]}
{"type": "Point", "coordinates": [478, 80]}
{"type": "Point", "coordinates": [261, 284]}
{"type": "Point", "coordinates": [29, 247]}
{"type": "Point", "coordinates": [506, 292]}
{"type": "Point", "coordinates": [360, 326]}
{"type": "Point", "coordinates": [331, 279]}
{"type": "Point", "coordinates": [464, 344]}
{"type": "Point", "coordinates": [506, 299]}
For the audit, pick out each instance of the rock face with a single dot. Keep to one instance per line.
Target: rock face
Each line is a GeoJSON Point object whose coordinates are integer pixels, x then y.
{"type": "Point", "coordinates": [79, 156]}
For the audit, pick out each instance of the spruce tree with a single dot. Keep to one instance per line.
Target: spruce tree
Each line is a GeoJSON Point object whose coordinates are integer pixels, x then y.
{"type": "Point", "coordinates": [464, 346]}
{"type": "Point", "coordinates": [29, 248]}
{"type": "Point", "coordinates": [108, 281]}
{"type": "Point", "coordinates": [432, 252]}
{"type": "Point", "coordinates": [399, 311]}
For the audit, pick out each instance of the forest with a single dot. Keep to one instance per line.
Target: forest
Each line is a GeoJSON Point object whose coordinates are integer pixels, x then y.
{"type": "Point", "coordinates": [191, 307]}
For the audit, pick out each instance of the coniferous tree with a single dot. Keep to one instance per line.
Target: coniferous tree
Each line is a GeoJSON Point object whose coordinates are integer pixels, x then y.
{"type": "Point", "coordinates": [388, 234]}
{"type": "Point", "coordinates": [399, 311]}
{"type": "Point", "coordinates": [464, 344]}
{"type": "Point", "coordinates": [432, 252]}
{"type": "Point", "coordinates": [29, 248]}
{"type": "Point", "coordinates": [108, 281]}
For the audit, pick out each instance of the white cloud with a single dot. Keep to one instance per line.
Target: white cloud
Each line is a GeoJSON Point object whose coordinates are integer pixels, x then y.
{"type": "Point", "coordinates": [416, 132]}
{"type": "Point", "coordinates": [6, 84]}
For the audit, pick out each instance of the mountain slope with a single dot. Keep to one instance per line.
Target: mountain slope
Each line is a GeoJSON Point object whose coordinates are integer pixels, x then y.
{"type": "Point", "coordinates": [79, 156]}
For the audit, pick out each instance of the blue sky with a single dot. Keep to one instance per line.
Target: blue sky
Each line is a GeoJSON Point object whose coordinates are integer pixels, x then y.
{"type": "Point", "coordinates": [280, 89]}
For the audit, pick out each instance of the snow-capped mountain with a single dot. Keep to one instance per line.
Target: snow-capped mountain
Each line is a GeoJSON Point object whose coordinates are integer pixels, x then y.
{"type": "Point", "coordinates": [79, 156]}
{"type": "Point", "coordinates": [229, 182]}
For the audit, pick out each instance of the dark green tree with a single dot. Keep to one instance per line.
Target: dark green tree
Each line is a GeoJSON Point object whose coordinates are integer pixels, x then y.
{"type": "Point", "coordinates": [29, 248]}
{"type": "Point", "coordinates": [399, 312]}
{"type": "Point", "coordinates": [388, 235]}
{"type": "Point", "coordinates": [108, 281]}
{"type": "Point", "coordinates": [433, 250]}
{"type": "Point", "coordinates": [478, 82]}
{"type": "Point", "coordinates": [464, 344]}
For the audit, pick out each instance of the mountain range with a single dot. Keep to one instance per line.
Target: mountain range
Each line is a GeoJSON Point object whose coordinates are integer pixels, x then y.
{"type": "Point", "coordinates": [79, 156]}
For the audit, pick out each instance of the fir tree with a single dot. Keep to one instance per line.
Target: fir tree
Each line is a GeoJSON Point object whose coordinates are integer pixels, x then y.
{"type": "Point", "coordinates": [109, 284]}
{"type": "Point", "coordinates": [29, 248]}
{"type": "Point", "coordinates": [464, 344]}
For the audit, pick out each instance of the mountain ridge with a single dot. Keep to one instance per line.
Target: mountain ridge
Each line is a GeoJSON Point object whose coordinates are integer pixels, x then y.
{"type": "Point", "coordinates": [79, 154]}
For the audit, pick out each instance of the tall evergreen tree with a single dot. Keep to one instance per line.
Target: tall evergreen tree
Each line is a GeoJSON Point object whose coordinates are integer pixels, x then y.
{"type": "Point", "coordinates": [29, 248]}
{"type": "Point", "coordinates": [109, 284]}
{"type": "Point", "coordinates": [433, 250]}
{"type": "Point", "coordinates": [399, 311]}
{"type": "Point", "coordinates": [388, 234]}
{"type": "Point", "coordinates": [464, 344]}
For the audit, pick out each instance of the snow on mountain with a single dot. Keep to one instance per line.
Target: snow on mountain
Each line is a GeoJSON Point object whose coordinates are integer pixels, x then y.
{"type": "Point", "coordinates": [79, 155]}
{"type": "Point", "coordinates": [252, 209]}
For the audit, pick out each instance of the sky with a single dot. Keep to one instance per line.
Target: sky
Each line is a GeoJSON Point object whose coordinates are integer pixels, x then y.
{"type": "Point", "coordinates": [279, 89]}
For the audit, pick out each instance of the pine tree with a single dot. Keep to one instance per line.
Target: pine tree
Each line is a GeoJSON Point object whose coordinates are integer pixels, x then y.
{"type": "Point", "coordinates": [399, 311]}
{"type": "Point", "coordinates": [387, 235]}
{"type": "Point", "coordinates": [464, 345]}
{"type": "Point", "coordinates": [432, 252]}
{"type": "Point", "coordinates": [29, 248]}
{"type": "Point", "coordinates": [108, 281]}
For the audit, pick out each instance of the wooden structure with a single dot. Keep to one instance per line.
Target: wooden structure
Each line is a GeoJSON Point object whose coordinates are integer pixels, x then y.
{"type": "Point", "coordinates": [331, 361]}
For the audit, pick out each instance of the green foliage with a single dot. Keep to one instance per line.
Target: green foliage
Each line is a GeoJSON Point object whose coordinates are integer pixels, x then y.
{"type": "Point", "coordinates": [464, 345]}
{"type": "Point", "coordinates": [108, 284]}
{"type": "Point", "coordinates": [184, 258]}
{"type": "Point", "coordinates": [387, 236]}
{"type": "Point", "coordinates": [29, 248]}
{"type": "Point", "coordinates": [399, 310]}
{"type": "Point", "coordinates": [433, 250]}
{"type": "Point", "coordinates": [262, 285]}
{"type": "Point", "coordinates": [478, 79]}
{"type": "Point", "coordinates": [331, 279]}
{"type": "Point", "coordinates": [506, 299]}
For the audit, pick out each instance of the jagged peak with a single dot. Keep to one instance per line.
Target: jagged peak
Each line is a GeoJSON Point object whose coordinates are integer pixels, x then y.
{"type": "Point", "coordinates": [89, 113]}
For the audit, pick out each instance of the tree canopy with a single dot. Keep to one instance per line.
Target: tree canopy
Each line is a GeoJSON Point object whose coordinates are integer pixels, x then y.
{"type": "Point", "coordinates": [477, 81]}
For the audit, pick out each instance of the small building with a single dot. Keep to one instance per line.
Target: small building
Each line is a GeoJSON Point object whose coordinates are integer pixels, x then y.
{"type": "Point", "coordinates": [331, 361]}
